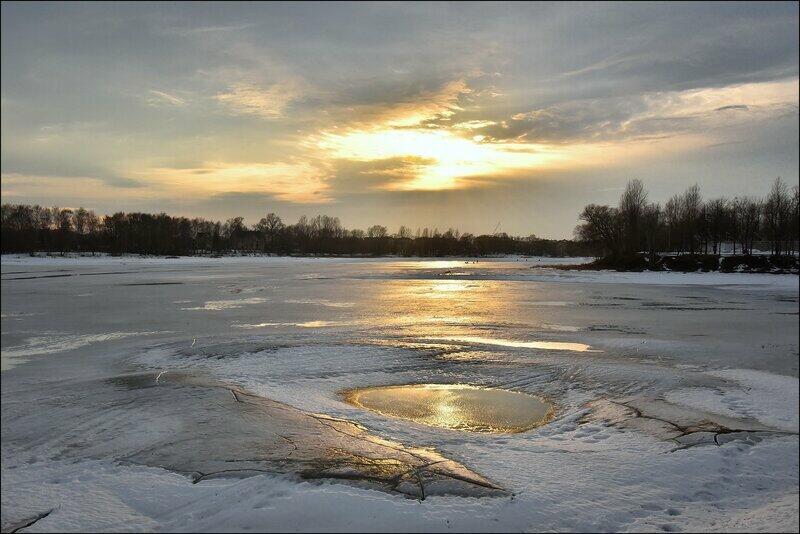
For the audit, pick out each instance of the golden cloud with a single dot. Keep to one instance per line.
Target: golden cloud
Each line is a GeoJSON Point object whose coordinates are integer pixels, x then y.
{"type": "Point", "coordinates": [297, 182]}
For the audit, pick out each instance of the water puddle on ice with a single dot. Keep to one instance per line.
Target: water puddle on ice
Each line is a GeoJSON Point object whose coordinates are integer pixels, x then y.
{"type": "Point", "coordinates": [545, 345]}
{"type": "Point", "coordinates": [456, 406]}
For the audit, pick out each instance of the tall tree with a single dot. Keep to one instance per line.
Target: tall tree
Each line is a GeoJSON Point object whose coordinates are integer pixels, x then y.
{"type": "Point", "coordinates": [601, 224]}
{"type": "Point", "coordinates": [632, 204]}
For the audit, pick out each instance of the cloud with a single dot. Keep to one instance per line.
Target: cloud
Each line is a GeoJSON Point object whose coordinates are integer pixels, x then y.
{"type": "Point", "coordinates": [474, 124]}
{"type": "Point", "coordinates": [65, 169]}
{"type": "Point", "coordinates": [265, 102]}
{"type": "Point", "coordinates": [396, 104]}
{"type": "Point", "coordinates": [353, 177]}
{"type": "Point", "coordinates": [733, 107]}
{"type": "Point", "coordinates": [649, 115]}
{"type": "Point", "coordinates": [203, 30]}
{"type": "Point", "coordinates": [292, 181]}
{"type": "Point", "coordinates": [158, 98]}
{"type": "Point", "coordinates": [425, 107]}
{"type": "Point", "coordinates": [766, 97]}
{"type": "Point", "coordinates": [73, 190]}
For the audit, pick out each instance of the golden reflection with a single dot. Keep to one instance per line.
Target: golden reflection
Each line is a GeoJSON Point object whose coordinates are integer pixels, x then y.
{"type": "Point", "coordinates": [545, 345]}
{"type": "Point", "coordinates": [456, 406]}
{"type": "Point", "coordinates": [439, 290]}
{"type": "Point", "coordinates": [450, 285]}
{"type": "Point", "coordinates": [419, 308]}
{"type": "Point", "coordinates": [477, 316]}
{"type": "Point", "coordinates": [477, 356]}
{"type": "Point", "coordinates": [436, 307]}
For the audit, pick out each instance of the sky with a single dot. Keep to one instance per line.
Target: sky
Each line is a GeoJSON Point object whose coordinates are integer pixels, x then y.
{"type": "Point", "coordinates": [470, 115]}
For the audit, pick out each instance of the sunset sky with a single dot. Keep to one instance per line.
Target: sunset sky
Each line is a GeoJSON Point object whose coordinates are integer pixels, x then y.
{"type": "Point", "coordinates": [420, 114]}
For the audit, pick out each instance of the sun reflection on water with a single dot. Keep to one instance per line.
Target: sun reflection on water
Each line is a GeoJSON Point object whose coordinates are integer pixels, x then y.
{"type": "Point", "coordinates": [456, 406]}
{"type": "Point", "coordinates": [470, 312]}
{"type": "Point", "coordinates": [544, 345]}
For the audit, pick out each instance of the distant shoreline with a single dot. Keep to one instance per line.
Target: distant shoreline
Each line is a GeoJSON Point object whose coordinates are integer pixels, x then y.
{"type": "Point", "coordinates": [691, 263]}
{"type": "Point", "coordinates": [44, 254]}
{"type": "Point", "coordinates": [729, 264]}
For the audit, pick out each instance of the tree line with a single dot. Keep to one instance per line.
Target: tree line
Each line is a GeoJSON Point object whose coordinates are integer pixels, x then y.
{"type": "Point", "coordinates": [688, 224]}
{"type": "Point", "coordinates": [32, 228]}
{"type": "Point", "coordinates": [685, 224]}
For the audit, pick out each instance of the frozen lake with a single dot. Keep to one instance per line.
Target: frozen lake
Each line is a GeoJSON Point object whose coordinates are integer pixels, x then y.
{"type": "Point", "coordinates": [210, 394]}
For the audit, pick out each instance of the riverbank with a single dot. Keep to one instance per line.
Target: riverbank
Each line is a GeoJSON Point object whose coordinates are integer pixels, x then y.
{"type": "Point", "coordinates": [690, 263]}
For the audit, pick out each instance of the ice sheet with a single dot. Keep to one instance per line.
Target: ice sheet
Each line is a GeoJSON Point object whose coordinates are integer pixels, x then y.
{"type": "Point", "coordinates": [694, 352]}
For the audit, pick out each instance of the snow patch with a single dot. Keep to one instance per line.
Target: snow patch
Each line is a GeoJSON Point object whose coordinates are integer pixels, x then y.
{"type": "Point", "coordinates": [53, 343]}
{"type": "Point", "coordinates": [769, 398]}
{"type": "Point", "coordinates": [218, 305]}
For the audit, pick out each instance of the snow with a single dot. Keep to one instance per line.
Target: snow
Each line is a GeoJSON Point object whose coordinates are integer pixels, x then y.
{"type": "Point", "coordinates": [55, 342]}
{"type": "Point", "coordinates": [100, 496]}
{"type": "Point", "coordinates": [730, 280]}
{"type": "Point", "coordinates": [217, 305]}
{"type": "Point", "coordinates": [102, 259]}
{"type": "Point", "coordinates": [769, 398]}
{"type": "Point", "coordinates": [301, 331]}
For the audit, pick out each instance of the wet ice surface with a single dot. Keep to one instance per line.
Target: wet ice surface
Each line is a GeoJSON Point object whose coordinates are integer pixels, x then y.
{"type": "Point", "coordinates": [681, 415]}
{"type": "Point", "coordinates": [455, 406]}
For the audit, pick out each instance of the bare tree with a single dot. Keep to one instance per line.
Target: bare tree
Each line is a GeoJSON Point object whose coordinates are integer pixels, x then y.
{"type": "Point", "coordinates": [270, 227]}
{"type": "Point", "coordinates": [92, 222]}
{"type": "Point", "coordinates": [777, 216]}
{"type": "Point", "coordinates": [601, 225]}
{"type": "Point", "coordinates": [691, 202]}
{"type": "Point", "coordinates": [233, 226]}
{"type": "Point", "coordinates": [794, 224]}
{"type": "Point", "coordinates": [717, 219]}
{"type": "Point", "coordinates": [377, 231]}
{"type": "Point", "coordinates": [404, 232]}
{"type": "Point", "coordinates": [748, 221]}
{"type": "Point", "coordinates": [672, 221]}
{"type": "Point", "coordinates": [632, 204]}
{"type": "Point", "coordinates": [63, 220]}
{"type": "Point", "coordinates": [652, 228]}
{"type": "Point", "coordinates": [270, 224]}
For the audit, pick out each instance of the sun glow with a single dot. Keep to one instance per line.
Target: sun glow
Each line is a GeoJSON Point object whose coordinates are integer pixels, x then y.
{"type": "Point", "coordinates": [293, 182]}
{"type": "Point", "coordinates": [440, 159]}
{"type": "Point", "coordinates": [453, 159]}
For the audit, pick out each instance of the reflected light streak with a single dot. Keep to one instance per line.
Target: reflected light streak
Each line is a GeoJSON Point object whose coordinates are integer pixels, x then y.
{"type": "Point", "coordinates": [545, 345]}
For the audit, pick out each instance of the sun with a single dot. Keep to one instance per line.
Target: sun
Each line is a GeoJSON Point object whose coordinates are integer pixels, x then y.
{"type": "Point", "coordinates": [452, 158]}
